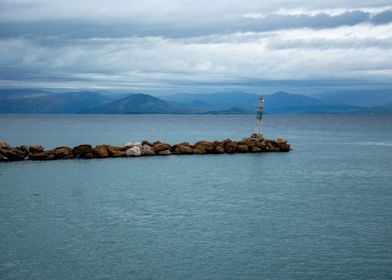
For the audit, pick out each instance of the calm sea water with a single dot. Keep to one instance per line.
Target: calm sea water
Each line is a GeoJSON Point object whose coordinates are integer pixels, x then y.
{"type": "Point", "coordinates": [322, 211]}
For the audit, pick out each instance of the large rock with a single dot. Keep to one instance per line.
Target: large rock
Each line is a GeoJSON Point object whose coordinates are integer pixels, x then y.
{"type": "Point", "coordinates": [101, 151]}
{"type": "Point", "coordinates": [83, 151]}
{"type": "Point", "coordinates": [159, 147]}
{"type": "Point", "coordinates": [255, 150]}
{"type": "Point", "coordinates": [271, 146]}
{"type": "Point", "coordinates": [22, 150]}
{"type": "Point", "coordinates": [199, 150]}
{"type": "Point", "coordinates": [183, 149]}
{"type": "Point", "coordinates": [219, 149]}
{"type": "Point", "coordinates": [284, 147]}
{"type": "Point", "coordinates": [145, 142]}
{"type": "Point", "coordinates": [231, 147]}
{"type": "Point", "coordinates": [250, 142]}
{"type": "Point", "coordinates": [205, 146]}
{"type": "Point", "coordinates": [47, 155]}
{"type": "Point", "coordinates": [147, 150]}
{"type": "Point", "coordinates": [63, 153]}
{"type": "Point", "coordinates": [4, 145]}
{"type": "Point", "coordinates": [165, 153]}
{"type": "Point", "coordinates": [134, 151]}
{"type": "Point", "coordinates": [115, 151]}
{"type": "Point", "coordinates": [36, 149]}
{"type": "Point", "coordinates": [12, 154]}
{"type": "Point", "coordinates": [242, 148]}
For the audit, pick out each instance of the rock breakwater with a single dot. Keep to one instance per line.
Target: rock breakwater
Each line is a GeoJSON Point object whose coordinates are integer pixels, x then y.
{"type": "Point", "coordinates": [144, 148]}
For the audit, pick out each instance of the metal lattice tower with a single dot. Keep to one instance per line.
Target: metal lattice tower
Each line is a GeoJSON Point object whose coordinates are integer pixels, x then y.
{"type": "Point", "coordinates": [259, 118]}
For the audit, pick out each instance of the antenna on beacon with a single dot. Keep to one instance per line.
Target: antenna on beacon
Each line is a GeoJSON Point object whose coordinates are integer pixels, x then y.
{"type": "Point", "coordinates": [259, 118]}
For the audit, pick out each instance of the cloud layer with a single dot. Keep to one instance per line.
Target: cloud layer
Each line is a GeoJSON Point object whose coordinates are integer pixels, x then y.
{"type": "Point", "coordinates": [194, 46]}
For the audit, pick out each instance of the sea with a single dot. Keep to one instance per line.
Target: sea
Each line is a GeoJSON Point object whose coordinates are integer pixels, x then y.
{"type": "Point", "coordinates": [321, 211]}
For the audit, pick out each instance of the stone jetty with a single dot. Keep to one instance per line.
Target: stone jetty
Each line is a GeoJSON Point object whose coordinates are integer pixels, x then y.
{"type": "Point", "coordinates": [144, 148]}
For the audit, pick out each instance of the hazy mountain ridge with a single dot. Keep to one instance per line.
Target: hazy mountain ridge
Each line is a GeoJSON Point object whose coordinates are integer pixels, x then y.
{"type": "Point", "coordinates": [44, 102]}
{"type": "Point", "coordinates": [136, 104]}
{"type": "Point", "coordinates": [41, 102]}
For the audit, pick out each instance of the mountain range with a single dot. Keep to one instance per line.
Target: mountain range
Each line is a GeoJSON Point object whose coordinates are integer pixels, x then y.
{"type": "Point", "coordinates": [34, 101]}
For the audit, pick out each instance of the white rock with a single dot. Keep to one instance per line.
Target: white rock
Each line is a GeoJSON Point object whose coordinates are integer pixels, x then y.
{"type": "Point", "coordinates": [138, 144]}
{"type": "Point", "coordinates": [134, 151]}
{"type": "Point", "coordinates": [147, 150]}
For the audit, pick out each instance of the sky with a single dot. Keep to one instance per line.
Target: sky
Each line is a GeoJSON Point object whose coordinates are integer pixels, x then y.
{"type": "Point", "coordinates": [196, 46]}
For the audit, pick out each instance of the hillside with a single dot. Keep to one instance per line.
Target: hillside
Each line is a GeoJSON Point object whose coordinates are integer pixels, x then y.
{"type": "Point", "coordinates": [42, 102]}
{"type": "Point", "coordinates": [136, 104]}
{"type": "Point", "coordinates": [279, 102]}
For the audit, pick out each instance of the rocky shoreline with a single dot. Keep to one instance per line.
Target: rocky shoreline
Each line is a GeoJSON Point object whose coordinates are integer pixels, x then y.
{"type": "Point", "coordinates": [144, 148]}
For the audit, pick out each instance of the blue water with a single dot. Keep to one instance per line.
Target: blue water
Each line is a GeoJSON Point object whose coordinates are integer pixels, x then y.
{"type": "Point", "coordinates": [322, 211]}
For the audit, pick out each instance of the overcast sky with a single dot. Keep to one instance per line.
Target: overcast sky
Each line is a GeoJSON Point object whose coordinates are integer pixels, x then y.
{"type": "Point", "coordinates": [196, 46]}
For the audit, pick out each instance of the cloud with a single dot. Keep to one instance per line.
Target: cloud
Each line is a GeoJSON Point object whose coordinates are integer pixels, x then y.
{"type": "Point", "coordinates": [279, 55]}
{"type": "Point", "coordinates": [224, 44]}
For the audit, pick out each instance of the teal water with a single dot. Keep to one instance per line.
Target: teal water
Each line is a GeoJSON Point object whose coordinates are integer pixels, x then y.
{"type": "Point", "coordinates": [322, 211]}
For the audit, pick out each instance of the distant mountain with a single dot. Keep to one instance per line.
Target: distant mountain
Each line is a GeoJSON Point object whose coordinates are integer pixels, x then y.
{"type": "Point", "coordinates": [279, 102]}
{"type": "Point", "coordinates": [42, 102]}
{"type": "Point", "coordinates": [217, 101]}
{"type": "Point", "coordinates": [377, 109]}
{"type": "Point", "coordinates": [358, 98]}
{"type": "Point", "coordinates": [136, 104]}
{"type": "Point", "coordinates": [288, 103]}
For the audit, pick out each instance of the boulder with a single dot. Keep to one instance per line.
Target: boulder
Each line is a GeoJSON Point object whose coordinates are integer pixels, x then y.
{"type": "Point", "coordinates": [164, 153]}
{"type": "Point", "coordinates": [134, 151]}
{"type": "Point", "coordinates": [208, 147]}
{"type": "Point", "coordinates": [47, 155]}
{"type": "Point", "coordinates": [200, 149]}
{"type": "Point", "coordinates": [183, 149]}
{"type": "Point", "coordinates": [284, 147]}
{"type": "Point", "coordinates": [242, 148]}
{"type": "Point", "coordinates": [147, 150]}
{"type": "Point", "coordinates": [250, 142]}
{"type": "Point", "coordinates": [145, 142]}
{"type": "Point", "coordinates": [230, 147]}
{"type": "Point", "coordinates": [119, 154]}
{"type": "Point", "coordinates": [23, 149]}
{"type": "Point", "coordinates": [101, 151]}
{"type": "Point", "coordinates": [219, 149]}
{"type": "Point", "coordinates": [161, 147]}
{"type": "Point", "coordinates": [12, 154]}
{"type": "Point", "coordinates": [36, 149]}
{"type": "Point", "coordinates": [4, 144]}
{"type": "Point", "coordinates": [115, 151]}
{"type": "Point", "coordinates": [271, 146]}
{"type": "Point", "coordinates": [255, 150]}
{"type": "Point", "coordinates": [63, 153]}
{"type": "Point", "coordinates": [83, 151]}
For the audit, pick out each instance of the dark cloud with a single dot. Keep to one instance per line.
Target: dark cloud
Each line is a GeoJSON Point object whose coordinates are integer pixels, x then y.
{"type": "Point", "coordinates": [384, 17]}
{"type": "Point", "coordinates": [206, 45]}
{"type": "Point", "coordinates": [191, 28]}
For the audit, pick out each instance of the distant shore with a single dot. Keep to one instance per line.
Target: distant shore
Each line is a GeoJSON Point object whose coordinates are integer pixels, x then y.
{"type": "Point", "coordinates": [143, 148]}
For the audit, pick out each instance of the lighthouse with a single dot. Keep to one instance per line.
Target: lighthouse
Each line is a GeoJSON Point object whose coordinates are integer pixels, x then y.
{"type": "Point", "coordinates": [259, 118]}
